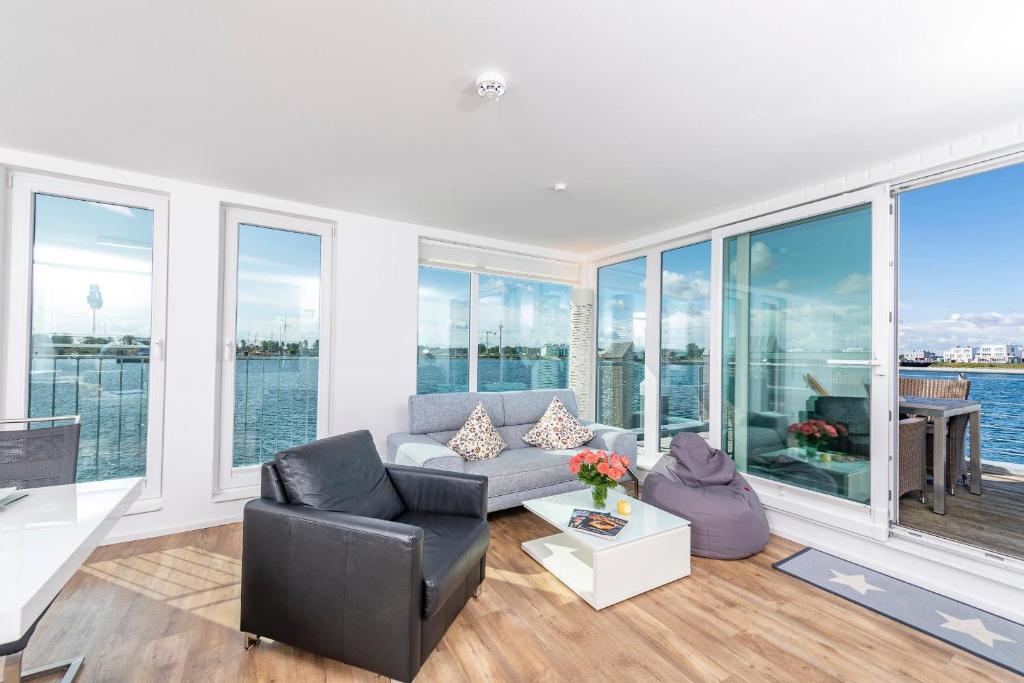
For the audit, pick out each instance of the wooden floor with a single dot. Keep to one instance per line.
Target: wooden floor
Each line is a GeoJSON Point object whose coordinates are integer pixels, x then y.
{"type": "Point", "coordinates": [166, 609]}
{"type": "Point", "coordinates": [991, 521]}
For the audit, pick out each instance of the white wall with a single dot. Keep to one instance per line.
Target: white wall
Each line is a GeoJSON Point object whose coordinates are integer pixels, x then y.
{"type": "Point", "coordinates": [374, 349]}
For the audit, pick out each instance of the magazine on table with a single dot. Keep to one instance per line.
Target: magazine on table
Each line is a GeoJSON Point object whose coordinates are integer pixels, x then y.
{"type": "Point", "coordinates": [597, 523]}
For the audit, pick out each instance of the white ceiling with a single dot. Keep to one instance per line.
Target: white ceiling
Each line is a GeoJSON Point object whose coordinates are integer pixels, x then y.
{"type": "Point", "coordinates": [654, 113]}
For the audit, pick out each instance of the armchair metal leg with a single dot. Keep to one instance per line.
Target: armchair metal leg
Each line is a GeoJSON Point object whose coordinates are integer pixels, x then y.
{"type": "Point", "coordinates": [14, 674]}
{"type": "Point", "coordinates": [251, 640]}
{"type": "Point", "coordinates": [479, 590]}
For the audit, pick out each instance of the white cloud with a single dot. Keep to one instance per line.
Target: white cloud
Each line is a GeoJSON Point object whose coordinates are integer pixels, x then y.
{"type": "Point", "coordinates": [761, 258]}
{"type": "Point", "coordinates": [962, 329]}
{"type": "Point", "coordinates": [680, 286]}
{"type": "Point", "coordinates": [853, 284]}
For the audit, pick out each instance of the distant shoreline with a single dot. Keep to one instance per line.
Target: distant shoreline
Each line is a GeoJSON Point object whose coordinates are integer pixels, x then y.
{"type": "Point", "coordinates": [990, 371]}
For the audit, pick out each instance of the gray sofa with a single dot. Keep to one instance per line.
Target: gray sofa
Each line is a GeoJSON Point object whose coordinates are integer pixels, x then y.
{"type": "Point", "coordinates": [520, 472]}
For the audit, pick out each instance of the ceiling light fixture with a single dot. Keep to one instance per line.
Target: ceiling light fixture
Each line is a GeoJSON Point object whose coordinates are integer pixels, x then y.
{"type": "Point", "coordinates": [490, 85]}
{"type": "Point", "coordinates": [559, 187]}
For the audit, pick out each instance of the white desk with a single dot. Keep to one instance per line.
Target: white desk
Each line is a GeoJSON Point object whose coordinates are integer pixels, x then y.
{"type": "Point", "coordinates": [650, 551]}
{"type": "Point", "coordinates": [44, 539]}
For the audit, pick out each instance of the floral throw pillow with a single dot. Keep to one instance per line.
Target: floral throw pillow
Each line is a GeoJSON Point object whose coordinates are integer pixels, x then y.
{"type": "Point", "coordinates": [478, 439]}
{"type": "Point", "coordinates": [558, 429]}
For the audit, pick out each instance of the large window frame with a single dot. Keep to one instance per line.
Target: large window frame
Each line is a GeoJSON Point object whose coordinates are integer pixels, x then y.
{"type": "Point", "coordinates": [230, 477]}
{"type": "Point", "coordinates": [872, 519]}
{"type": "Point", "coordinates": [19, 310]}
{"type": "Point", "coordinates": [474, 310]}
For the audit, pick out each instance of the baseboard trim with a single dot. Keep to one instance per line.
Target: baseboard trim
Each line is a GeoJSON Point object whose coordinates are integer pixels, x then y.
{"type": "Point", "coordinates": [115, 538]}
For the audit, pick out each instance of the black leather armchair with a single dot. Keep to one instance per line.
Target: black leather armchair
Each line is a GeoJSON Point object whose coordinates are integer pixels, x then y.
{"type": "Point", "coordinates": [376, 580]}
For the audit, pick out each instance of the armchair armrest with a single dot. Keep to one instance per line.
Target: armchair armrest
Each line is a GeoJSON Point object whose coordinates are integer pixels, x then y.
{"type": "Point", "coordinates": [613, 439]}
{"type": "Point", "coordinates": [304, 567]}
{"type": "Point", "coordinates": [421, 451]}
{"type": "Point", "coordinates": [440, 492]}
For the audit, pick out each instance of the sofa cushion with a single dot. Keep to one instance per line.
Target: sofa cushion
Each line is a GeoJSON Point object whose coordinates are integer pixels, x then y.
{"type": "Point", "coordinates": [557, 428]}
{"type": "Point", "coordinates": [523, 469]}
{"type": "Point", "coordinates": [451, 545]}
{"type": "Point", "coordinates": [444, 412]}
{"type": "Point", "coordinates": [526, 407]}
{"type": "Point", "coordinates": [478, 439]}
{"type": "Point", "coordinates": [342, 473]}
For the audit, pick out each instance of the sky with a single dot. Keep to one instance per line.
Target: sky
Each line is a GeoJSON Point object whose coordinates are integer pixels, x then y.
{"type": "Point", "coordinates": [961, 248]}
{"type": "Point", "coordinates": [686, 296]}
{"type": "Point", "coordinates": [79, 244]}
{"type": "Point", "coordinates": [278, 285]}
{"type": "Point", "coordinates": [531, 313]}
{"type": "Point", "coordinates": [621, 303]}
{"type": "Point", "coordinates": [811, 282]}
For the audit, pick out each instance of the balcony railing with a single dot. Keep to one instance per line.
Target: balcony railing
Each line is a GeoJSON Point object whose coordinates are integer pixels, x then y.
{"type": "Point", "coordinates": [275, 407]}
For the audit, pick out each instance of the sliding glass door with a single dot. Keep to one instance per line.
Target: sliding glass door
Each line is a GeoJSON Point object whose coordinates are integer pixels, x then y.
{"type": "Point", "coordinates": [276, 336]}
{"type": "Point", "coordinates": [804, 338]}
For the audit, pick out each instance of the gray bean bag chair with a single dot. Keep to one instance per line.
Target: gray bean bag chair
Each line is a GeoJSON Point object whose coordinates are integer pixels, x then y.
{"type": "Point", "coordinates": [701, 484]}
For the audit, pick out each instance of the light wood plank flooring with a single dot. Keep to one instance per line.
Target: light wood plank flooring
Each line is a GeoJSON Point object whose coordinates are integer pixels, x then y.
{"type": "Point", "coordinates": [166, 609]}
{"type": "Point", "coordinates": [991, 520]}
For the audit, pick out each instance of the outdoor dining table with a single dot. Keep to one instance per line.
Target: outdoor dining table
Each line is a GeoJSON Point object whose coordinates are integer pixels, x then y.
{"type": "Point", "coordinates": [941, 409]}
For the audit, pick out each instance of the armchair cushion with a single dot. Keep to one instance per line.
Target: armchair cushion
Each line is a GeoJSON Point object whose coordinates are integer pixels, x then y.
{"type": "Point", "coordinates": [341, 473]}
{"type": "Point", "coordinates": [451, 545]}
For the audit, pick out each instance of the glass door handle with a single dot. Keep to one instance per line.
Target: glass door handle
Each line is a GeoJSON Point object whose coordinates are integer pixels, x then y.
{"type": "Point", "coordinates": [229, 350]}
{"type": "Point", "coordinates": [158, 349]}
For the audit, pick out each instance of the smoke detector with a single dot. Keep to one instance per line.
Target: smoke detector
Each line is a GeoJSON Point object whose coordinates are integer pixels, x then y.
{"type": "Point", "coordinates": [490, 86]}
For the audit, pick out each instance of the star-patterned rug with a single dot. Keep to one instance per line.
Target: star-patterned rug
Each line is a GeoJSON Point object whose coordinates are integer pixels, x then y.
{"type": "Point", "coordinates": [984, 634]}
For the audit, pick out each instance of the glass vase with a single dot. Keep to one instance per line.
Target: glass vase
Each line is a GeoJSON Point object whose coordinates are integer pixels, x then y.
{"type": "Point", "coordinates": [600, 496]}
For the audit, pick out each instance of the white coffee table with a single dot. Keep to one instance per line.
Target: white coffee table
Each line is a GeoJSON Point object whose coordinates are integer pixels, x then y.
{"type": "Point", "coordinates": [652, 550]}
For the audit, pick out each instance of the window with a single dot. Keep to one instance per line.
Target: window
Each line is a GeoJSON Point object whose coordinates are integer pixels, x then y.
{"type": "Point", "coordinates": [797, 338]}
{"type": "Point", "coordinates": [685, 315]}
{"type": "Point", "coordinates": [442, 354]}
{"type": "Point", "coordinates": [276, 308]}
{"type": "Point", "coordinates": [521, 326]}
{"type": "Point", "coordinates": [523, 334]}
{"type": "Point", "coordinates": [621, 319]}
{"type": "Point", "coordinates": [95, 323]}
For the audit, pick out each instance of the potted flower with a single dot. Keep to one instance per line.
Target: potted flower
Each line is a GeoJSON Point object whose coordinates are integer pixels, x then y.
{"type": "Point", "coordinates": [811, 435]}
{"type": "Point", "coordinates": [600, 471]}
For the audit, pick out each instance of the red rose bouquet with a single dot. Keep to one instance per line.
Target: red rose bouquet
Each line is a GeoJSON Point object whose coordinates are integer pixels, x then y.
{"type": "Point", "coordinates": [600, 471]}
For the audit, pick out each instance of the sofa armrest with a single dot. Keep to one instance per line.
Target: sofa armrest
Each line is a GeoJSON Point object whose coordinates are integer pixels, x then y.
{"type": "Point", "coordinates": [439, 492]}
{"type": "Point", "coordinates": [613, 439]}
{"type": "Point", "coordinates": [308, 575]}
{"type": "Point", "coordinates": [419, 450]}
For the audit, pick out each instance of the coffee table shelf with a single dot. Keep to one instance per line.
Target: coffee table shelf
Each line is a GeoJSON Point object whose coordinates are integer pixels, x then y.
{"type": "Point", "coordinates": [652, 550]}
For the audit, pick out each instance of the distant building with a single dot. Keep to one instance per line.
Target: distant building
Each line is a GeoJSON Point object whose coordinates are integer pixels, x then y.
{"type": "Point", "coordinates": [555, 350]}
{"type": "Point", "coordinates": [999, 353]}
{"type": "Point", "coordinates": [920, 356]}
{"type": "Point", "coordinates": [960, 354]}
{"type": "Point", "coordinates": [616, 385]}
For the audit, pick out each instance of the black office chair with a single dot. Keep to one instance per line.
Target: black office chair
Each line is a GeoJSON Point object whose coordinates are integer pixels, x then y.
{"type": "Point", "coordinates": [33, 458]}
{"type": "Point", "coordinates": [361, 562]}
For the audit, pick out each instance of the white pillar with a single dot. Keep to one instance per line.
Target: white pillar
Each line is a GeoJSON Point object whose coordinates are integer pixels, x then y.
{"type": "Point", "coordinates": [581, 350]}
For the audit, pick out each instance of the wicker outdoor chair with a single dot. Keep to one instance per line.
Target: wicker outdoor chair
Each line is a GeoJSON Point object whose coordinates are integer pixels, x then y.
{"type": "Point", "coordinates": [913, 455]}
{"type": "Point", "coordinates": [956, 427]}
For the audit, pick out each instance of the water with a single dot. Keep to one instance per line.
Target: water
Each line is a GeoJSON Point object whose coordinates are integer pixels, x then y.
{"type": "Point", "coordinates": [275, 407]}
{"type": "Point", "coordinates": [1002, 417]}
{"type": "Point", "coordinates": [276, 402]}
{"type": "Point", "coordinates": [444, 375]}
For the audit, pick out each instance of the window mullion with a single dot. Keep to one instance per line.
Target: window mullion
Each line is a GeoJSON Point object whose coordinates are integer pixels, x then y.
{"type": "Point", "coordinates": [474, 349]}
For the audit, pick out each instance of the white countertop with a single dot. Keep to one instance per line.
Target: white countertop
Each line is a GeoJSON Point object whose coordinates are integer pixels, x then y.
{"type": "Point", "coordinates": [44, 539]}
